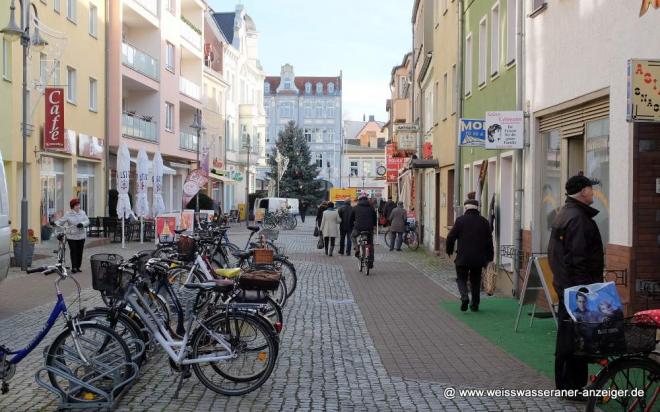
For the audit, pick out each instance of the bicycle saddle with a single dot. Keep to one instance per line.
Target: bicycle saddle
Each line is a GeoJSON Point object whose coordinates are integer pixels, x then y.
{"type": "Point", "coordinates": [228, 273]}
{"type": "Point", "coordinates": [254, 228]}
{"type": "Point", "coordinates": [365, 232]}
{"type": "Point", "coordinates": [217, 285]}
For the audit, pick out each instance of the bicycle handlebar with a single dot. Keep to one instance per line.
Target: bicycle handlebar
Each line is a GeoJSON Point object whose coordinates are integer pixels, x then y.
{"type": "Point", "coordinates": [47, 270]}
{"type": "Point", "coordinates": [39, 269]}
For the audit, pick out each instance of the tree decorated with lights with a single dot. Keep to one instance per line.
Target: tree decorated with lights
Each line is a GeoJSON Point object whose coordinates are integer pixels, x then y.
{"type": "Point", "coordinates": [299, 179]}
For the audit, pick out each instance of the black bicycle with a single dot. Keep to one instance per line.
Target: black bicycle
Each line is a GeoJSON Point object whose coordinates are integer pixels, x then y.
{"type": "Point", "coordinates": [364, 246]}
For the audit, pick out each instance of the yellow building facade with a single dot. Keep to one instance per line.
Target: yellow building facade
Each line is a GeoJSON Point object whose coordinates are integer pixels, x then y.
{"type": "Point", "coordinates": [74, 60]}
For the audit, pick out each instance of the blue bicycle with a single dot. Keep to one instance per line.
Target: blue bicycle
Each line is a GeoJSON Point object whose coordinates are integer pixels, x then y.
{"type": "Point", "coordinates": [83, 358]}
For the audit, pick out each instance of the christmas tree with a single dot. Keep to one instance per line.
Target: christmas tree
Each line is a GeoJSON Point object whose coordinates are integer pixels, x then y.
{"type": "Point", "coordinates": [300, 176]}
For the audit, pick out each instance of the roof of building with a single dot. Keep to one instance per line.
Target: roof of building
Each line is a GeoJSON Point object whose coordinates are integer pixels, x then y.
{"type": "Point", "coordinates": [300, 81]}
{"type": "Point", "coordinates": [225, 22]}
{"type": "Point", "coordinates": [349, 148]}
{"type": "Point", "coordinates": [249, 23]}
{"type": "Point", "coordinates": [352, 128]}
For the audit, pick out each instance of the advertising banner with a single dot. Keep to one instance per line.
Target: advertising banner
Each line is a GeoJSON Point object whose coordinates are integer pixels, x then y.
{"type": "Point", "coordinates": [393, 164]}
{"type": "Point", "coordinates": [90, 146]}
{"type": "Point", "coordinates": [165, 226]}
{"type": "Point", "coordinates": [505, 130]}
{"type": "Point", "coordinates": [472, 133]}
{"type": "Point", "coordinates": [643, 91]}
{"type": "Point", "coordinates": [54, 123]}
{"type": "Point", "coordinates": [194, 182]}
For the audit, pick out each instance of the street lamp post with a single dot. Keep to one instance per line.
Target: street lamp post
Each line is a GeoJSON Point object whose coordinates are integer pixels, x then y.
{"type": "Point", "coordinates": [248, 145]}
{"type": "Point", "coordinates": [12, 33]}
{"type": "Point", "coordinates": [197, 125]}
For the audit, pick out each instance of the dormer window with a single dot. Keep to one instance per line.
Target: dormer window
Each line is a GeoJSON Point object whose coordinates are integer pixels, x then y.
{"type": "Point", "coordinates": [319, 88]}
{"type": "Point", "coordinates": [308, 88]}
{"type": "Point", "coordinates": [287, 84]}
{"type": "Point", "coordinates": [267, 88]}
{"type": "Point", "coordinates": [331, 88]}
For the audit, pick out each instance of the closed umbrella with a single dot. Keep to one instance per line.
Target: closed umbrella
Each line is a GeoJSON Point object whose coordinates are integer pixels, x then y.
{"type": "Point", "coordinates": [157, 181]}
{"type": "Point", "coordinates": [141, 202]}
{"type": "Point", "coordinates": [123, 178]}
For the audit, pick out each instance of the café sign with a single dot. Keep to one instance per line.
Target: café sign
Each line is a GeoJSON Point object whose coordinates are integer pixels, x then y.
{"type": "Point", "coordinates": [643, 91]}
{"type": "Point", "coordinates": [54, 125]}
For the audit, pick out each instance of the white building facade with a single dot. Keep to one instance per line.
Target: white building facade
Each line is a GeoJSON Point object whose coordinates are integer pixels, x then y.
{"type": "Point", "coordinates": [314, 103]}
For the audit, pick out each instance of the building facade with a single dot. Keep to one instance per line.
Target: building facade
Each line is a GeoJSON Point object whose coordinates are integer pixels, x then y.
{"type": "Point", "coordinates": [364, 157]}
{"type": "Point", "coordinates": [578, 122]}
{"type": "Point", "coordinates": [78, 170]}
{"type": "Point", "coordinates": [314, 103]}
{"type": "Point", "coordinates": [155, 60]}
{"type": "Point", "coordinates": [245, 127]}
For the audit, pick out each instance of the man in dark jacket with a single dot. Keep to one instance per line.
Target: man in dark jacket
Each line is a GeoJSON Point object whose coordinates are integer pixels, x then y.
{"type": "Point", "coordinates": [397, 219]}
{"type": "Point", "coordinates": [575, 254]}
{"type": "Point", "coordinates": [303, 205]}
{"type": "Point", "coordinates": [363, 217]}
{"type": "Point", "coordinates": [475, 250]}
{"type": "Point", "coordinates": [389, 207]}
{"type": "Point", "coordinates": [345, 227]}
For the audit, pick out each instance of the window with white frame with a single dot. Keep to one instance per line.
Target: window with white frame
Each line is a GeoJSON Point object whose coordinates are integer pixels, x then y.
{"type": "Point", "coordinates": [308, 88]}
{"type": "Point", "coordinates": [169, 117]}
{"type": "Point", "coordinates": [43, 70]}
{"type": "Point", "coordinates": [93, 94]}
{"type": "Point", "coordinates": [319, 160]}
{"type": "Point", "coordinates": [318, 135]}
{"type": "Point", "coordinates": [354, 168]}
{"type": "Point", "coordinates": [318, 112]}
{"type": "Point", "coordinates": [93, 20]}
{"type": "Point", "coordinates": [495, 31]}
{"type": "Point", "coordinates": [446, 96]}
{"type": "Point", "coordinates": [428, 108]}
{"type": "Point", "coordinates": [330, 110]}
{"type": "Point", "coordinates": [169, 5]}
{"type": "Point", "coordinates": [511, 27]}
{"type": "Point", "coordinates": [56, 73]}
{"type": "Point", "coordinates": [403, 80]}
{"type": "Point", "coordinates": [71, 84]}
{"type": "Point", "coordinates": [454, 84]}
{"type": "Point", "coordinates": [468, 64]}
{"type": "Point", "coordinates": [267, 88]}
{"type": "Point", "coordinates": [319, 88]}
{"type": "Point", "coordinates": [6, 59]}
{"type": "Point", "coordinates": [285, 109]}
{"type": "Point", "coordinates": [56, 6]}
{"type": "Point", "coordinates": [437, 103]}
{"type": "Point", "coordinates": [467, 182]}
{"type": "Point", "coordinates": [71, 10]}
{"type": "Point", "coordinates": [169, 57]}
{"type": "Point", "coordinates": [330, 135]}
{"type": "Point", "coordinates": [308, 109]}
{"type": "Point", "coordinates": [366, 167]}
{"type": "Point", "coordinates": [331, 88]}
{"type": "Point", "coordinates": [483, 50]}
{"type": "Point", "coordinates": [308, 135]}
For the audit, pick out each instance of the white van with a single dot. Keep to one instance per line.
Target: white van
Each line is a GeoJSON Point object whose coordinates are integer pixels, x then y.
{"type": "Point", "coordinates": [5, 231]}
{"type": "Point", "coordinates": [271, 204]}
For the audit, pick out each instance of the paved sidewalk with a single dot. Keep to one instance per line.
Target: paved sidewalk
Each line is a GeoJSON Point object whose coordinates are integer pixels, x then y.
{"type": "Point", "coordinates": [350, 343]}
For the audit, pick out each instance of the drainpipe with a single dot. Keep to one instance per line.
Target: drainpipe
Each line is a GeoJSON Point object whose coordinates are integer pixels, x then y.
{"type": "Point", "coordinates": [517, 202]}
{"type": "Point", "coordinates": [459, 114]}
{"type": "Point", "coordinates": [341, 127]}
{"type": "Point", "coordinates": [107, 123]}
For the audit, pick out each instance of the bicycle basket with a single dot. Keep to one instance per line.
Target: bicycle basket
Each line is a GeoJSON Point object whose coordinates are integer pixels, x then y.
{"type": "Point", "coordinates": [614, 337]}
{"type": "Point", "coordinates": [269, 234]}
{"type": "Point", "coordinates": [260, 280]}
{"type": "Point", "coordinates": [186, 247]}
{"type": "Point", "coordinates": [263, 256]}
{"type": "Point", "coordinates": [106, 276]}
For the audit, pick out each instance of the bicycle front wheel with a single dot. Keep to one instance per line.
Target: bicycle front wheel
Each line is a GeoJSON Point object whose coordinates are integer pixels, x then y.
{"type": "Point", "coordinates": [641, 375]}
{"type": "Point", "coordinates": [412, 241]}
{"type": "Point", "coordinates": [253, 350]}
{"type": "Point", "coordinates": [107, 367]}
{"type": "Point", "coordinates": [288, 273]}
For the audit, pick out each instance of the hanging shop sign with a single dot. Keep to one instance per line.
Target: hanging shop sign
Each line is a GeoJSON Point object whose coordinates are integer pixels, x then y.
{"type": "Point", "coordinates": [194, 183]}
{"type": "Point", "coordinates": [646, 4]}
{"type": "Point", "coordinates": [90, 146]}
{"type": "Point", "coordinates": [427, 150]}
{"type": "Point", "coordinates": [54, 124]}
{"type": "Point", "coordinates": [393, 164]}
{"type": "Point", "coordinates": [505, 130]}
{"type": "Point", "coordinates": [472, 133]}
{"type": "Point", "coordinates": [643, 91]}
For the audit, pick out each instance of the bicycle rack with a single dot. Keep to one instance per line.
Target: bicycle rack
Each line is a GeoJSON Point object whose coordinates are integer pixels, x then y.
{"type": "Point", "coordinates": [107, 397]}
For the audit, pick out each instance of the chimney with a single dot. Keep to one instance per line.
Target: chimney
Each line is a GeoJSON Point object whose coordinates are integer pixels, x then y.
{"type": "Point", "coordinates": [364, 117]}
{"type": "Point", "coordinates": [371, 118]}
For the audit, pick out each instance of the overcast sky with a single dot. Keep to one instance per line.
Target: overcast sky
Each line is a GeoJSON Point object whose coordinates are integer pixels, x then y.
{"type": "Point", "coordinates": [363, 38]}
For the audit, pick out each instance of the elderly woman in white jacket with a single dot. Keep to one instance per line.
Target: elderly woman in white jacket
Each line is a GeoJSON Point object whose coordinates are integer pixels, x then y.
{"type": "Point", "coordinates": [75, 221]}
{"type": "Point", "coordinates": [330, 227]}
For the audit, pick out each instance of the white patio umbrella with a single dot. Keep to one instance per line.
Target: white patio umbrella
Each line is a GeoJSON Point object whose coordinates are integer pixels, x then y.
{"type": "Point", "coordinates": [141, 202]}
{"type": "Point", "coordinates": [123, 178]}
{"type": "Point", "coordinates": [157, 181]}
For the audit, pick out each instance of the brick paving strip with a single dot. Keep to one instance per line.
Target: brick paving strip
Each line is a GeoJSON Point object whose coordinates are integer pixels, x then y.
{"type": "Point", "coordinates": [337, 350]}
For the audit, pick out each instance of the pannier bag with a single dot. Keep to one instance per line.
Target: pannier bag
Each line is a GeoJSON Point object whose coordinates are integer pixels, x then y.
{"type": "Point", "coordinates": [260, 280]}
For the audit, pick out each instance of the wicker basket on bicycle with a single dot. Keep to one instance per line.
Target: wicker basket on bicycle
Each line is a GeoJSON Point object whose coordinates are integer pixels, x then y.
{"type": "Point", "coordinates": [106, 276]}
{"type": "Point", "coordinates": [614, 337]}
{"type": "Point", "coordinates": [260, 279]}
{"type": "Point", "coordinates": [186, 247]}
{"type": "Point", "coordinates": [262, 256]}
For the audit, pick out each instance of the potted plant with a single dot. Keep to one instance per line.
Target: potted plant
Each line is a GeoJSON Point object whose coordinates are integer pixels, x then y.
{"type": "Point", "coordinates": [18, 247]}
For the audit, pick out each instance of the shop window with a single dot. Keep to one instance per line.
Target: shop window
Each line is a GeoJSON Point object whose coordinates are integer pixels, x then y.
{"type": "Point", "coordinates": [598, 166]}
{"type": "Point", "coordinates": [551, 189]}
{"type": "Point", "coordinates": [354, 168]}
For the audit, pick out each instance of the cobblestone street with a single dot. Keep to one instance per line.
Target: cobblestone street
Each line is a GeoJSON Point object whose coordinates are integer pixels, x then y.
{"type": "Point", "coordinates": [350, 342]}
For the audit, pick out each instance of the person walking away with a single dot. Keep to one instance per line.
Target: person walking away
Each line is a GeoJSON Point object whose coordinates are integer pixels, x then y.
{"type": "Point", "coordinates": [303, 209]}
{"type": "Point", "coordinates": [330, 227]}
{"type": "Point", "coordinates": [575, 254]}
{"type": "Point", "coordinates": [389, 207]}
{"type": "Point", "coordinates": [397, 219]}
{"type": "Point", "coordinates": [363, 218]}
{"type": "Point", "coordinates": [74, 222]}
{"type": "Point", "coordinates": [346, 227]}
{"type": "Point", "coordinates": [319, 212]}
{"type": "Point", "coordinates": [475, 251]}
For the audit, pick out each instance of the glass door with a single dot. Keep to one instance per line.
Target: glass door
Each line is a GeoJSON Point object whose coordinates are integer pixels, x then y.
{"type": "Point", "coordinates": [85, 193]}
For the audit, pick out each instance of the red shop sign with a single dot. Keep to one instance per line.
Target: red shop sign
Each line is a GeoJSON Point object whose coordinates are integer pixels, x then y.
{"type": "Point", "coordinates": [54, 126]}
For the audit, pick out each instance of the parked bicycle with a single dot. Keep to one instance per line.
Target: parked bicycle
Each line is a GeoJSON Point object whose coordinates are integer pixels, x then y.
{"type": "Point", "coordinates": [280, 218]}
{"type": "Point", "coordinates": [410, 237]}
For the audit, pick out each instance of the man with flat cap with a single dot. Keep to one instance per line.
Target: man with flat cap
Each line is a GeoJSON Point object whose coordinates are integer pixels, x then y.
{"type": "Point", "coordinates": [575, 254]}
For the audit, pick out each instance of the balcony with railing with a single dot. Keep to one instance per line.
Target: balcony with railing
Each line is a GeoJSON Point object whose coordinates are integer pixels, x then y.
{"type": "Point", "coordinates": [140, 61]}
{"type": "Point", "coordinates": [149, 5]}
{"type": "Point", "coordinates": [189, 88]}
{"type": "Point", "coordinates": [191, 33]}
{"type": "Point", "coordinates": [188, 141]}
{"type": "Point", "coordinates": [139, 127]}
